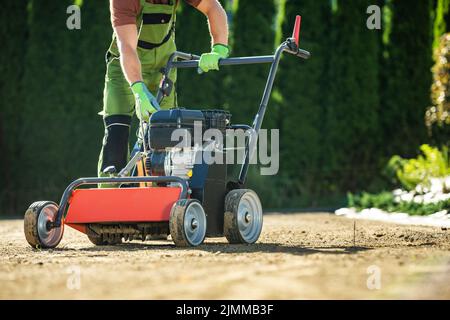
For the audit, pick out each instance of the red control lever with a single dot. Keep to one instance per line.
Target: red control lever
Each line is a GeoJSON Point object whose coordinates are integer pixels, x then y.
{"type": "Point", "coordinates": [296, 33]}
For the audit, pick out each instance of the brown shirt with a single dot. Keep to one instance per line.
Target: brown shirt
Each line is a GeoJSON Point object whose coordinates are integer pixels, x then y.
{"type": "Point", "coordinates": [126, 11]}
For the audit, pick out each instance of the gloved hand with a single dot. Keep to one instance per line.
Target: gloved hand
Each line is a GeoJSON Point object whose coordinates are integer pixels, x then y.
{"type": "Point", "coordinates": [210, 61]}
{"type": "Point", "coordinates": [146, 103]}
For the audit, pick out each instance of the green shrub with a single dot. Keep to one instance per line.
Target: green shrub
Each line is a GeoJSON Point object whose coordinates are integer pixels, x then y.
{"type": "Point", "coordinates": [437, 116]}
{"type": "Point", "coordinates": [383, 200]}
{"type": "Point", "coordinates": [386, 201]}
{"type": "Point", "coordinates": [432, 163]}
{"type": "Point", "coordinates": [442, 14]}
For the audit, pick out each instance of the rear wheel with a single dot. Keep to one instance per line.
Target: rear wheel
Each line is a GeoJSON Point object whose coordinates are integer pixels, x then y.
{"type": "Point", "coordinates": [187, 223]}
{"type": "Point", "coordinates": [37, 222]}
{"type": "Point", "coordinates": [243, 218]}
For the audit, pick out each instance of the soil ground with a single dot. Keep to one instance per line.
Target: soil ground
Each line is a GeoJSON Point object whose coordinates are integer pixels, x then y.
{"type": "Point", "coordinates": [299, 256]}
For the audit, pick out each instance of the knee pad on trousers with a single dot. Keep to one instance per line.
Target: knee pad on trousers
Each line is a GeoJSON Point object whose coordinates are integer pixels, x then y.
{"type": "Point", "coordinates": [115, 142]}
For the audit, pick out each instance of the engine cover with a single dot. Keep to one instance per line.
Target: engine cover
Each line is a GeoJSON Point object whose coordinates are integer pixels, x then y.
{"type": "Point", "coordinates": [163, 123]}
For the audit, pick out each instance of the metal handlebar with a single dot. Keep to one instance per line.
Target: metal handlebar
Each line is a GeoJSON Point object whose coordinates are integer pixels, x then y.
{"type": "Point", "coordinates": [239, 60]}
{"type": "Point", "coordinates": [302, 54]}
{"type": "Point", "coordinates": [225, 62]}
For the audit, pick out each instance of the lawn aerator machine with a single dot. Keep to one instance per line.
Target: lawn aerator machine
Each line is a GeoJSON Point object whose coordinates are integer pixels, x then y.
{"type": "Point", "coordinates": [156, 195]}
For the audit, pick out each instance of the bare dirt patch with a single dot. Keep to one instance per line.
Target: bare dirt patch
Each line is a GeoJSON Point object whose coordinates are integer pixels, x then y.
{"type": "Point", "coordinates": [299, 256]}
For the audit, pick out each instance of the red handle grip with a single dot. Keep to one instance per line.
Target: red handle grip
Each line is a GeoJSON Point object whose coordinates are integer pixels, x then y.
{"type": "Point", "coordinates": [296, 33]}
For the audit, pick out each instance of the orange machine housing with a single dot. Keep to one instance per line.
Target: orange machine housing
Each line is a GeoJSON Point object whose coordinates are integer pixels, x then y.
{"type": "Point", "coordinates": [123, 205]}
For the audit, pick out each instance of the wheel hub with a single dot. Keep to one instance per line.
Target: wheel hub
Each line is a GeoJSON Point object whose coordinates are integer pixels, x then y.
{"type": "Point", "coordinates": [47, 232]}
{"type": "Point", "coordinates": [195, 223]}
{"type": "Point", "coordinates": [249, 217]}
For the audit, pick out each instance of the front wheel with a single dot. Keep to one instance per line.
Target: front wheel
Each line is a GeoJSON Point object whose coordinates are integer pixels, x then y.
{"type": "Point", "coordinates": [243, 218]}
{"type": "Point", "coordinates": [187, 223]}
{"type": "Point", "coordinates": [37, 222]}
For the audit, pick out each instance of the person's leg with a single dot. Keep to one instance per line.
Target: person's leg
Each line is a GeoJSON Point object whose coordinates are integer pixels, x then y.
{"type": "Point", "coordinates": [152, 80]}
{"type": "Point", "coordinates": [115, 150]}
{"type": "Point", "coordinates": [152, 76]}
{"type": "Point", "coordinates": [118, 108]}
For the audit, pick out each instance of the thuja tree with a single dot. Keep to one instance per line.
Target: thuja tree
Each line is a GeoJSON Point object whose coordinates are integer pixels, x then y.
{"type": "Point", "coordinates": [406, 76]}
{"type": "Point", "coordinates": [352, 131]}
{"type": "Point", "coordinates": [192, 36]}
{"type": "Point", "coordinates": [14, 32]}
{"type": "Point", "coordinates": [302, 86]}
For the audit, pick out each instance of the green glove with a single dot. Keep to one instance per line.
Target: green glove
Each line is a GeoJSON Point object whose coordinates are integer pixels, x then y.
{"type": "Point", "coordinates": [146, 103]}
{"type": "Point", "coordinates": [210, 61]}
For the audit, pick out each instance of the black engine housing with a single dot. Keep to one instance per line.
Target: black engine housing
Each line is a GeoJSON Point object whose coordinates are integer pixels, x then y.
{"type": "Point", "coordinates": [164, 122]}
{"type": "Point", "coordinates": [208, 181]}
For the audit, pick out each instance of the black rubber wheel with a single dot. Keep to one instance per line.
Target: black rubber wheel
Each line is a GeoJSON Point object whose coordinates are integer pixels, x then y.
{"type": "Point", "coordinates": [35, 224]}
{"type": "Point", "coordinates": [243, 218]}
{"type": "Point", "coordinates": [101, 240]}
{"type": "Point", "coordinates": [187, 223]}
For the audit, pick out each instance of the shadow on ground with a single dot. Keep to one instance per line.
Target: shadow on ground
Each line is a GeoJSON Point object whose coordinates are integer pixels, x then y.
{"type": "Point", "coordinates": [222, 248]}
